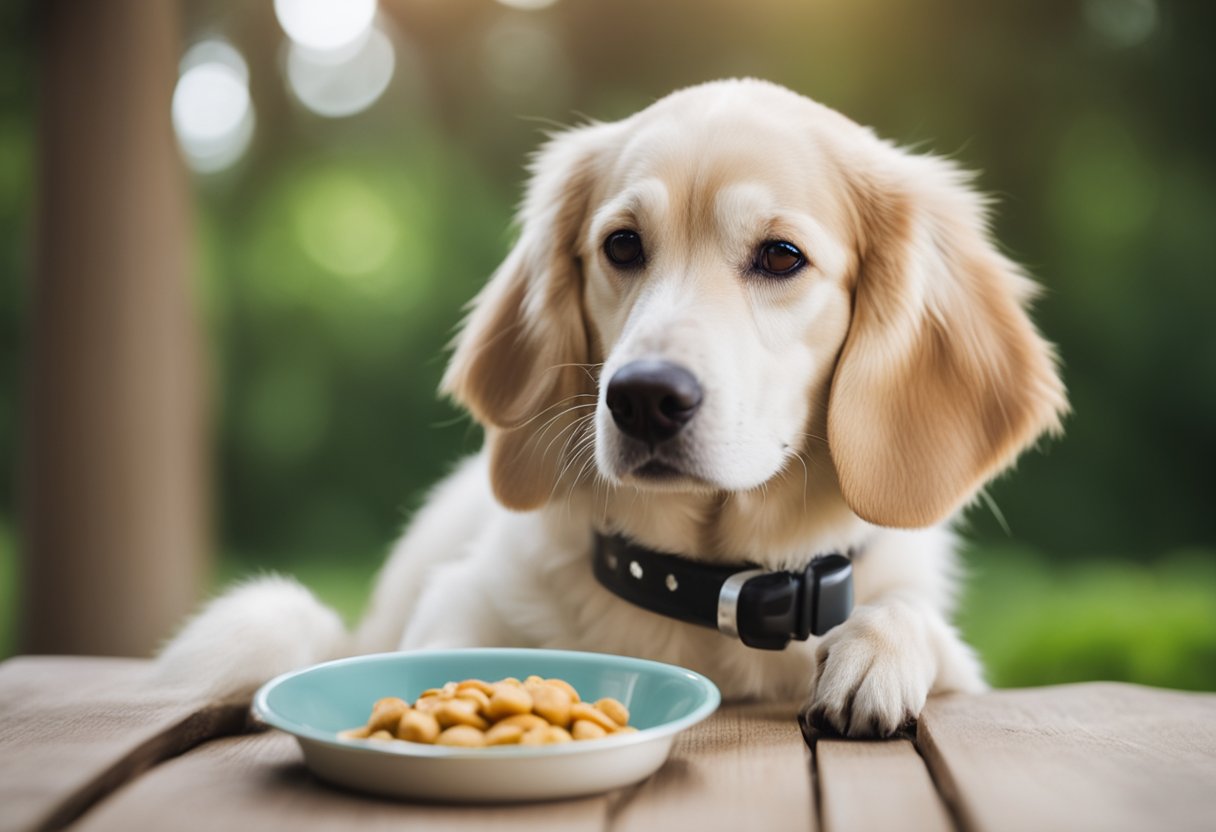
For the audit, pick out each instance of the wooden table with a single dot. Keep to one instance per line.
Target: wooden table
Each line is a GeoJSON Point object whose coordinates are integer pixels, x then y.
{"type": "Point", "coordinates": [93, 744]}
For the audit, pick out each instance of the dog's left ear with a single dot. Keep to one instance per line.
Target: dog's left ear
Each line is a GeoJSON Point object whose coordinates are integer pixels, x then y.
{"type": "Point", "coordinates": [519, 360]}
{"type": "Point", "coordinates": [943, 378]}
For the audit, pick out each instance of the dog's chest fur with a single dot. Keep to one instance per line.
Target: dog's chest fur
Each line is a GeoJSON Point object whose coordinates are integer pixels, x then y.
{"type": "Point", "coordinates": [535, 570]}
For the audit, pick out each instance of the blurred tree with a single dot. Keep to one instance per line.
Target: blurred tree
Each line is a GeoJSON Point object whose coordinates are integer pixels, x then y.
{"type": "Point", "coordinates": [113, 471]}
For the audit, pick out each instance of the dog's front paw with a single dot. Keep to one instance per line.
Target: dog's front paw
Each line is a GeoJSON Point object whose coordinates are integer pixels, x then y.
{"type": "Point", "coordinates": [873, 672]}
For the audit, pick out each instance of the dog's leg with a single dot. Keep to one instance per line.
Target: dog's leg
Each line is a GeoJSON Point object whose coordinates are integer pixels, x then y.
{"type": "Point", "coordinates": [874, 671]}
{"type": "Point", "coordinates": [458, 610]}
{"type": "Point", "coordinates": [441, 532]}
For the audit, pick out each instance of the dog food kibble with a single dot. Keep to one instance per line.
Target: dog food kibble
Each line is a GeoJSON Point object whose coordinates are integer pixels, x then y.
{"type": "Point", "coordinates": [525, 721]}
{"type": "Point", "coordinates": [614, 710]}
{"type": "Point", "coordinates": [386, 713]}
{"type": "Point", "coordinates": [584, 730]}
{"type": "Point", "coordinates": [552, 703]}
{"type": "Point", "coordinates": [504, 734]}
{"type": "Point", "coordinates": [417, 726]}
{"type": "Point", "coordinates": [475, 714]}
{"type": "Point", "coordinates": [460, 712]}
{"type": "Point", "coordinates": [560, 683]}
{"type": "Point", "coordinates": [475, 695]}
{"type": "Point", "coordinates": [464, 736]}
{"type": "Point", "coordinates": [475, 684]}
{"type": "Point", "coordinates": [592, 714]}
{"type": "Point", "coordinates": [550, 735]}
{"type": "Point", "coordinates": [508, 700]}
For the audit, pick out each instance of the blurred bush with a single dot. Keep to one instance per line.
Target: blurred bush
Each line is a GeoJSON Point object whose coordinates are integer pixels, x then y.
{"type": "Point", "coordinates": [1036, 620]}
{"type": "Point", "coordinates": [335, 256]}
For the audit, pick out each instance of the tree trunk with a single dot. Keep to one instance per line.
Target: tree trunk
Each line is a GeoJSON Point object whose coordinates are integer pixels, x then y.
{"type": "Point", "coordinates": [113, 476]}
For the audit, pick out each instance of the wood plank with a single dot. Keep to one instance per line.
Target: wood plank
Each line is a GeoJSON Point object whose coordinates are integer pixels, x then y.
{"type": "Point", "coordinates": [74, 729]}
{"type": "Point", "coordinates": [865, 786]}
{"type": "Point", "coordinates": [259, 782]}
{"type": "Point", "coordinates": [747, 767]}
{"type": "Point", "coordinates": [1099, 756]}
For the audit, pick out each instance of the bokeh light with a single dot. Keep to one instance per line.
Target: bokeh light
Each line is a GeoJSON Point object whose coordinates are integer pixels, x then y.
{"type": "Point", "coordinates": [212, 112]}
{"type": "Point", "coordinates": [1122, 22]}
{"type": "Point", "coordinates": [325, 25]}
{"type": "Point", "coordinates": [522, 57]}
{"type": "Point", "coordinates": [345, 226]}
{"type": "Point", "coordinates": [528, 5]}
{"type": "Point", "coordinates": [338, 84]}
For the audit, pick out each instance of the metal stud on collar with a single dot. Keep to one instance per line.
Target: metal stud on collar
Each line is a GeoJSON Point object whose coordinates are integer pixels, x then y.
{"type": "Point", "coordinates": [728, 601]}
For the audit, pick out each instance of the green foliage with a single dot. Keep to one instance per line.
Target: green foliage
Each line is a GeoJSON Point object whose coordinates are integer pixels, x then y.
{"type": "Point", "coordinates": [8, 592]}
{"type": "Point", "coordinates": [1039, 621]}
{"type": "Point", "coordinates": [332, 292]}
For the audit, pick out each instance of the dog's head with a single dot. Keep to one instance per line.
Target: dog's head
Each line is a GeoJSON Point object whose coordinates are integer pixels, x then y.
{"type": "Point", "coordinates": [703, 290]}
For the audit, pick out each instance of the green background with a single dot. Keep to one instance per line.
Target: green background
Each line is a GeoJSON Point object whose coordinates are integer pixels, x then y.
{"type": "Point", "coordinates": [334, 258]}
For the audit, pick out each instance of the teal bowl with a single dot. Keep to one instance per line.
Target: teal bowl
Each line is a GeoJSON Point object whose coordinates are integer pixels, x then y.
{"type": "Point", "coordinates": [316, 703]}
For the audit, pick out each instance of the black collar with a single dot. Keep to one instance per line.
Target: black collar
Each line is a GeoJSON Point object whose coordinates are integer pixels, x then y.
{"type": "Point", "coordinates": [763, 609]}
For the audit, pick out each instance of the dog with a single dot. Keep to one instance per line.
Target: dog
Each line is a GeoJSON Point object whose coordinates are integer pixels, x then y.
{"type": "Point", "coordinates": [736, 328]}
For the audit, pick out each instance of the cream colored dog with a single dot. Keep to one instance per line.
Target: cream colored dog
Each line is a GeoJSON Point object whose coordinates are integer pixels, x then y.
{"type": "Point", "coordinates": [852, 362]}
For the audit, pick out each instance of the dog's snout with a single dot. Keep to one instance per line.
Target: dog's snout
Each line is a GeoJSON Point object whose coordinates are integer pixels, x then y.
{"type": "Point", "coordinates": [653, 400]}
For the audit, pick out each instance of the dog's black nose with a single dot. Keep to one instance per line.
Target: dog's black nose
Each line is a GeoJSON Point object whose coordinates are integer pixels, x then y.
{"type": "Point", "coordinates": [653, 400]}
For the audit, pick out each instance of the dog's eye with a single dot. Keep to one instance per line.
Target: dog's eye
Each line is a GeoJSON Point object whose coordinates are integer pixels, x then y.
{"type": "Point", "coordinates": [779, 258]}
{"type": "Point", "coordinates": [624, 248]}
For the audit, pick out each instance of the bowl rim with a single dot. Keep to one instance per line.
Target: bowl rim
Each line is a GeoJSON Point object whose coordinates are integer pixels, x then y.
{"type": "Point", "coordinates": [263, 711]}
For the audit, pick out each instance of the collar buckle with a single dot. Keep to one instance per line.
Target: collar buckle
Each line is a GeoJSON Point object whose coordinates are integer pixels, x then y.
{"type": "Point", "coordinates": [766, 610]}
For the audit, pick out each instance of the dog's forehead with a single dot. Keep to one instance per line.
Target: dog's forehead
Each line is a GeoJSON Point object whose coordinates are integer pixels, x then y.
{"type": "Point", "coordinates": [709, 146]}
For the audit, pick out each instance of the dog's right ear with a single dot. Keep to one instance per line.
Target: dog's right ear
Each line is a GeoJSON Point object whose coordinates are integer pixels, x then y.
{"type": "Point", "coordinates": [516, 363]}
